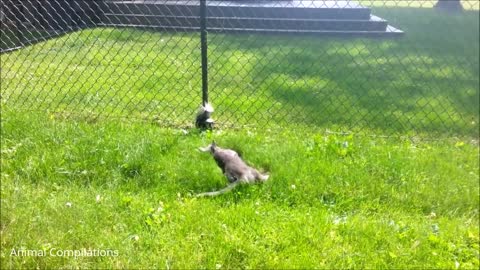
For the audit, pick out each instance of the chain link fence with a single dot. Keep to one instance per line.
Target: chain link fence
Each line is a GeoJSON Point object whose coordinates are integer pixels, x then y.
{"type": "Point", "coordinates": [376, 67]}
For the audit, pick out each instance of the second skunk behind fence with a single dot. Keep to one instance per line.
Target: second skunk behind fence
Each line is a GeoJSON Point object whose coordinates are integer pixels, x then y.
{"type": "Point", "coordinates": [233, 167]}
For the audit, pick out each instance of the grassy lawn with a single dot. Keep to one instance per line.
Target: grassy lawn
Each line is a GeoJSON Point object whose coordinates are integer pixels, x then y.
{"type": "Point", "coordinates": [72, 180]}
{"type": "Point", "coordinates": [333, 201]}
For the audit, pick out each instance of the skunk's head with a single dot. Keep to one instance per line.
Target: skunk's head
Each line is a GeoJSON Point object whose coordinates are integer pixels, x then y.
{"type": "Point", "coordinates": [208, 107]}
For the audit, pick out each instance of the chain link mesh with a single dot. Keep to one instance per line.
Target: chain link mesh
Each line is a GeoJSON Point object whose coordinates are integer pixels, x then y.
{"type": "Point", "coordinates": [378, 67]}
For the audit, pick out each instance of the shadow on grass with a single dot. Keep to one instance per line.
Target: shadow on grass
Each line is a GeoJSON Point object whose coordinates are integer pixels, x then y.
{"type": "Point", "coordinates": [424, 82]}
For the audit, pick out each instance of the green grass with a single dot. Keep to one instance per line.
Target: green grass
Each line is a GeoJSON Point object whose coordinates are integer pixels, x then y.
{"type": "Point", "coordinates": [72, 180]}
{"type": "Point", "coordinates": [333, 201]}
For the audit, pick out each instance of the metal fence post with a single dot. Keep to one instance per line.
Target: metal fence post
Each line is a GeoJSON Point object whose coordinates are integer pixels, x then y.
{"type": "Point", "coordinates": [203, 41]}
